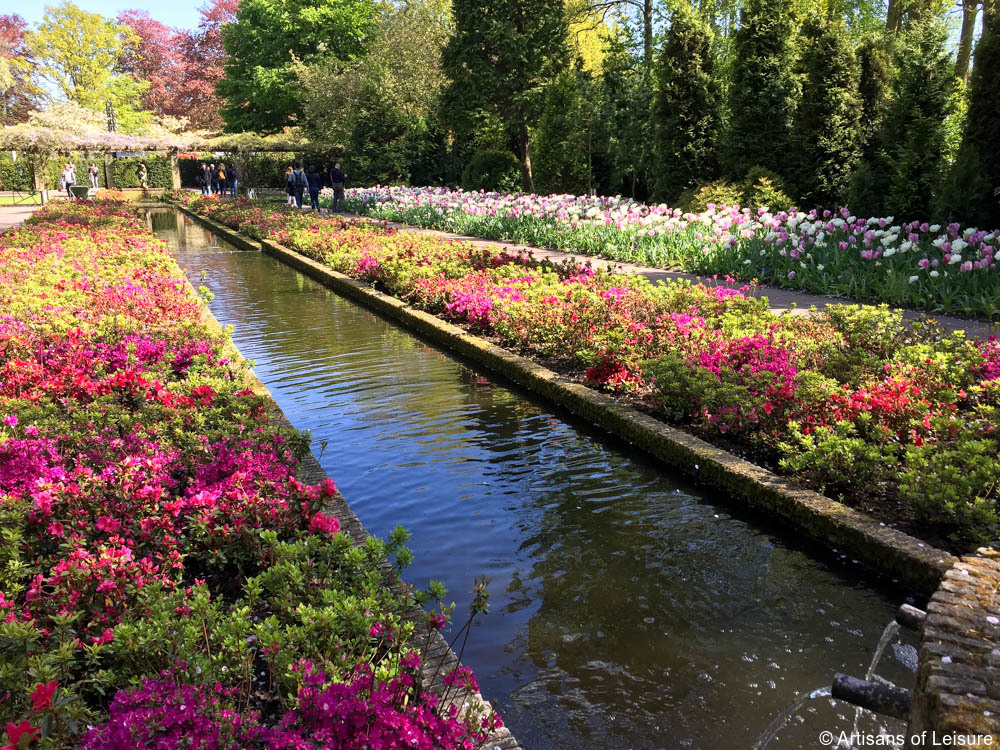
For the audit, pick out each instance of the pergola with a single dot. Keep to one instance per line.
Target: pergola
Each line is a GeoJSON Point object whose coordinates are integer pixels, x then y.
{"type": "Point", "coordinates": [40, 143]}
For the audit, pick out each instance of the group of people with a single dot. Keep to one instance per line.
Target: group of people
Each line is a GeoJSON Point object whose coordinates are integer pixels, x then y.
{"type": "Point", "coordinates": [313, 179]}
{"type": "Point", "coordinates": [68, 179]}
{"type": "Point", "coordinates": [218, 180]}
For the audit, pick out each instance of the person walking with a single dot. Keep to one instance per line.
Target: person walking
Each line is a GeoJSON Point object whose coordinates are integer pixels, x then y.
{"type": "Point", "coordinates": [325, 174]}
{"type": "Point", "coordinates": [232, 174]}
{"type": "Point", "coordinates": [338, 181]}
{"type": "Point", "coordinates": [299, 182]}
{"type": "Point", "coordinates": [222, 178]}
{"type": "Point", "coordinates": [92, 170]}
{"type": "Point", "coordinates": [206, 179]}
{"type": "Point", "coordinates": [315, 180]}
{"type": "Point", "coordinates": [69, 178]}
{"type": "Point", "coordinates": [289, 187]}
{"type": "Point", "coordinates": [214, 177]}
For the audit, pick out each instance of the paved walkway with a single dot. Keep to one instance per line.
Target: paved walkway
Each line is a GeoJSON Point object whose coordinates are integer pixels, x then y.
{"type": "Point", "coordinates": [779, 300]}
{"type": "Point", "coordinates": [12, 216]}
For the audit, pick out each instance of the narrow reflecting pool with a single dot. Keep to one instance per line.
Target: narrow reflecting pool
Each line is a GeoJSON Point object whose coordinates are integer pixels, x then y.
{"type": "Point", "coordinates": [630, 609]}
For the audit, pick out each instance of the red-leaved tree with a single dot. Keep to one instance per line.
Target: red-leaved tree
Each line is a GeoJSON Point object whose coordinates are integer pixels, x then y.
{"type": "Point", "coordinates": [204, 55]}
{"type": "Point", "coordinates": [182, 66]}
{"type": "Point", "coordinates": [17, 101]}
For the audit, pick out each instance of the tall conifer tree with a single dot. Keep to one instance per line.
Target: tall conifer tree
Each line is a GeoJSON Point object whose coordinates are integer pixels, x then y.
{"type": "Point", "coordinates": [912, 143]}
{"type": "Point", "coordinates": [982, 126]}
{"type": "Point", "coordinates": [827, 128]}
{"type": "Point", "coordinates": [686, 108]}
{"type": "Point", "coordinates": [762, 89]}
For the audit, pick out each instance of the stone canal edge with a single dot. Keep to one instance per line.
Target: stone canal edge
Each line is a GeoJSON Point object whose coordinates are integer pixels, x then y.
{"type": "Point", "coordinates": [889, 552]}
{"type": "Point", "coordinates": [439, 658]}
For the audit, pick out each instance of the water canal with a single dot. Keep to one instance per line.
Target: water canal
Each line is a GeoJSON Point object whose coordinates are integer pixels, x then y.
{"type": "Point", "coordinates": [630, 609]}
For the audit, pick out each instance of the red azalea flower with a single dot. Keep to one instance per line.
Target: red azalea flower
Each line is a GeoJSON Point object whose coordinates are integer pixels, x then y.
{"type": "Point", "coordinates": [106, 637]}
{"type": "Point", "coordinates": [16, 731]}
{"type": "Point", "coordinates": [42, 696]}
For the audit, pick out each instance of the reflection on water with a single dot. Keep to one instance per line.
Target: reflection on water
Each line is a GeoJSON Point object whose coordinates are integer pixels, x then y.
{"type": "Point", "coordinates": [629, 608]}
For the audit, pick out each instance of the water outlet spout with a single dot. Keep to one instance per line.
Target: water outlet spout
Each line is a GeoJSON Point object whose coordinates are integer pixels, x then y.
{"type": "Point", "coordinates": [880, 697]}
{"type": "Point", "coordinates": [910, 617]}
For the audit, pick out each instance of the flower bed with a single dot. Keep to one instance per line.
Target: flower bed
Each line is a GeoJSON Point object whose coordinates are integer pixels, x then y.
{"type": "Point", "coordinates": [898, 420]}
{"type": "Point", "coordinates": [914, 264]}
{"type": "Point", "coordinates": [164, 578]}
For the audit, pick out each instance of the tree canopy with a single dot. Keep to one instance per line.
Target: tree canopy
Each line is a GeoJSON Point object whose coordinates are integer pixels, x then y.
{"type": "Point", "coordinates": [260, 87]}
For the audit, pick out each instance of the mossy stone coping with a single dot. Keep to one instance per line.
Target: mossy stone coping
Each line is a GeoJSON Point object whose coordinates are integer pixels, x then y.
{"type": "Point", "coordinates": [439, 658]}
{"type": "Point", "coordinates": [887, 551]}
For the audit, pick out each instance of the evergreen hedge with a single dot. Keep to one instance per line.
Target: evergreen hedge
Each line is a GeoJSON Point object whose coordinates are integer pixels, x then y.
{"type": "Point", "coordinates": [158, 173]}
{"type": "Point", "coordinates": [15, 174]}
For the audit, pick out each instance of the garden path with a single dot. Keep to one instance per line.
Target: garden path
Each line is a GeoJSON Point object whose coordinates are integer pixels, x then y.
{"type": "Point", "coordinates": [779, 300]}
{"type": "Point", "coordinates": [12, 216]}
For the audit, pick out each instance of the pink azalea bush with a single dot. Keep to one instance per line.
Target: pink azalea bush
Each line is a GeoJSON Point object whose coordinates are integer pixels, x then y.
{"type": "Point", "coordinates": [153, 523]}
{"type": "Point", "coordinates": [913, 263]}
{"type": "Point", "coordinates": [897, 419]}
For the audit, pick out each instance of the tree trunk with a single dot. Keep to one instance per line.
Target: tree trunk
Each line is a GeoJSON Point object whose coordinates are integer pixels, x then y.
{"type": "Point", "coordinates": [526, 181]}
{"type": "Point", "coordinates": [894, 16]}
{"type": "Point", "coordinates": [647, 34]}
{"type": "Point", "coordinates": [970, 9]}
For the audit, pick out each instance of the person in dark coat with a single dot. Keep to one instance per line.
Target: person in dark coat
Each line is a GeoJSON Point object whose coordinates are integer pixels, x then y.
{"type": "Point", "coordinates": [214, 177]}
{"type": "Point", "coordinates": [325, 174]}
{"type": "Point", "coordinates": [289, 188]}
{"type": "Point", "coordinates": [232, 175]}
{"type": "Point", "coordinates": [315, 183]}
{"type": "Point", "coordinates": [206, 179]}
{"type": "Point", "coordinates": [338, 182]}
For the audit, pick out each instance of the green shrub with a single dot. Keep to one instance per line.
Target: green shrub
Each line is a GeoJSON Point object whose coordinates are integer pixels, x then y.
{"type": "Point", "coordinates": [982, 126]}
{"type": "Point", "coordinates": [913, 141]}
{"type": "Point", "coordinates": [963, 188]}
{"type": "Point", "coordinates": [677, 388]}
{"type": "Point", "coordinates": [836, 459]}
{"type": "Point", "coordinates": [719, 193]}
{"type": "Point", "coordinates": [762, 187]}
{"type": "Point", "coordinates": [762, 87]}
{"type": "Point", "coordinates": [955, 486]}
{"type": "Point", "coordinates": [870, 338]}
{"type": "Point", "coordinates": [564, 135]}
{"type": "Point", "coordinates": [492, 170]}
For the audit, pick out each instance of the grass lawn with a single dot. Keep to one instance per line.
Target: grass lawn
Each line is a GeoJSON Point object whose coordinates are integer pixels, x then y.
{"type": "Point", "coordinates": [24, 199]}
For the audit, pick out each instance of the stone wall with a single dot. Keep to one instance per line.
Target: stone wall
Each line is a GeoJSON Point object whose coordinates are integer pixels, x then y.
{"type": "Point", "coordinates": [958, 678]}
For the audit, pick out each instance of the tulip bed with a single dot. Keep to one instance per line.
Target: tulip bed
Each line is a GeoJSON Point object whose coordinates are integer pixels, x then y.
{"type": "Point", "coordinates": [899, 420]}
{"type": "Point", "coordinates": [914, 264]}
{"type": "Point", "coordinates": [165, 580]}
